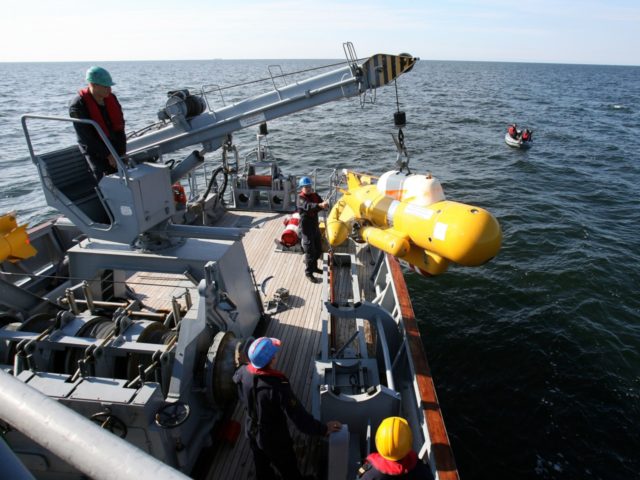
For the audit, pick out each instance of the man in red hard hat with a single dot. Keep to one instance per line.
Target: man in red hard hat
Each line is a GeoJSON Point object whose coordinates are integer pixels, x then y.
{"type": "Point", "coordinates": [269, 401]}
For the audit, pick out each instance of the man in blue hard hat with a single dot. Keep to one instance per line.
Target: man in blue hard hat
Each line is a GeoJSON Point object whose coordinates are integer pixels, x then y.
{"type": "Point", "coordinates": [97, 102]}
{"type": "Point", "coordinates": [309, 204]}
{"type": "Point", "coordinates": [268, 400]}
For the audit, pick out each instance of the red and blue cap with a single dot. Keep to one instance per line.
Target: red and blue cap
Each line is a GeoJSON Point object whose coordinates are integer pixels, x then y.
{"type": "Point", "coordinates": [262, 351]}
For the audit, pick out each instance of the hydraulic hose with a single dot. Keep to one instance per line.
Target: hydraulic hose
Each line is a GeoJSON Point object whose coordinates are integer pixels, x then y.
{"type": "Point", "coordinates": [212, 182]}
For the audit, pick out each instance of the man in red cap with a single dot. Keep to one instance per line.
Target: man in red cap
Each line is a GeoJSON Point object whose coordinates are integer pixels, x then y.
{"type": "Point", "coordinates": [268, 400]}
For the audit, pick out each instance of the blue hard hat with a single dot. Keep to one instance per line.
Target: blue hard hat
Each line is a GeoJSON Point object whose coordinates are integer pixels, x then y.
{"type": "Point", "coordinates": [304, 182]}
{"type": "Point", "coordinates": [262, 351]}
{"type": "Point", "coordinates": [99, 76]}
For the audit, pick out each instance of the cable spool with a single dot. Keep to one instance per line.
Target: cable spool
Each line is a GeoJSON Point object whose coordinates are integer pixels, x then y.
{"type": "Point", "coordinates": [148, 331]}
{"type": "Point", "coordinates": [222, 361]}
{"type": "Point", "coordinates": [99, 328]}
{"type": "Point", "coordinates": [254, 181]}
{"type": "Point", "coordinates": [182, 103]}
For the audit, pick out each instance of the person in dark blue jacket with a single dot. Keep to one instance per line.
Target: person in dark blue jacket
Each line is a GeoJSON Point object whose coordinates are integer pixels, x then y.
{"type": "Point", "coordinates": [395, 458]}
{"type": "Point", "coordinates": [309, 204]}
{"type": "Point", "coordinates": [269, 401]}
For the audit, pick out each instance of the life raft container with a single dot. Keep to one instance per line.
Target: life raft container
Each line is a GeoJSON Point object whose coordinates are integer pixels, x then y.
{"type": "Point", "coordinates": [291, 233]}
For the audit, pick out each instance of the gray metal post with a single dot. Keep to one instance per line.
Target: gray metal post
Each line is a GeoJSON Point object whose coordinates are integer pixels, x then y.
{"type": "Point", "coordinates": [97, 453]}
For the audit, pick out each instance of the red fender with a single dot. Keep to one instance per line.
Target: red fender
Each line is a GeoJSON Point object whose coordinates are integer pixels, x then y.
{"type": "Point", "coordinates": [291, 233]}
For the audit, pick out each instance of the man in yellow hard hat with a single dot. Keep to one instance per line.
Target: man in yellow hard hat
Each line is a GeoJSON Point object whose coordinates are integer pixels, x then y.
{"type": "Point", "coordinates": [395, 457]}
{"type": "Point", "coordinates": [96, 102]}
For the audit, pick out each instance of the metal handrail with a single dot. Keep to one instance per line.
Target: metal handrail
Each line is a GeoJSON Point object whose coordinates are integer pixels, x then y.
{"type": "Point", "coordinates": [122, 168]}
{"type": "Point", "coordinates": [206, 99]}
{"type": "Point", "coordinates": [282, 75]}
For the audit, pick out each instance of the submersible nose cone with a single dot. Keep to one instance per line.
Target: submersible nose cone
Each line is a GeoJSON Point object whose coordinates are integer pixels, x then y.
{"type": "Point", "coordinates": [481, 239]}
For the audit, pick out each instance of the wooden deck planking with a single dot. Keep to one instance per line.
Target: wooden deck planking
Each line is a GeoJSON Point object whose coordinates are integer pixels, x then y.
{"type": "Point", "coordinates": [297, 327]}
{"type": "Point", "coordinates": [155, 290]}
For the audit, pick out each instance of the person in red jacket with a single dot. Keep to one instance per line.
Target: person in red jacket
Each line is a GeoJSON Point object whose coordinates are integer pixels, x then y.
{"type": "Point", "coordinates": [513, 131]}
{"type": "Point", "coordinates": [395, 458]}
{"type": "Point", "coordinates": [96, 102]}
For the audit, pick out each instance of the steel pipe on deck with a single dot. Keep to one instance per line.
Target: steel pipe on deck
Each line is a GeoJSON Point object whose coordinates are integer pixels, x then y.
{"type": "Point", "coordinates": [95, 452]}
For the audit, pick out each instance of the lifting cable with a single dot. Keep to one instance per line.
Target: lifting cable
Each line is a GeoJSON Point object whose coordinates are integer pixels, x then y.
{"type": "Point", "coordinates": [400, 121]}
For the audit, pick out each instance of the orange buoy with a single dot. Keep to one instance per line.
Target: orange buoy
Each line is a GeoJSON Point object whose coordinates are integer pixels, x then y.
{"type": "Point", "coordinates": [179, 196]}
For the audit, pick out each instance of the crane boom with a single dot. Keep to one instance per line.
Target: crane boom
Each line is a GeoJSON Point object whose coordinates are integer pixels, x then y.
{"type": "Point", "coordinates": [211, 128]}
{"type": "Point", "coordinates": [137, 202]}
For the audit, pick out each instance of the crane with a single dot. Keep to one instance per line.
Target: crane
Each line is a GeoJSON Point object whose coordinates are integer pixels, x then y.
{"type": "Point", "coordinates": [137, 201]}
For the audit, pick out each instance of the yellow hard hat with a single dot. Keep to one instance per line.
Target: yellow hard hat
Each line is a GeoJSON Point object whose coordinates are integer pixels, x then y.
{"type": "Point", "coordinates": [394, 438]}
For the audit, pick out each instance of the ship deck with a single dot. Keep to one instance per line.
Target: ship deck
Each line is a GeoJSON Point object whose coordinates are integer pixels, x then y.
{"type": "Point", "coordinates": [298, 327]}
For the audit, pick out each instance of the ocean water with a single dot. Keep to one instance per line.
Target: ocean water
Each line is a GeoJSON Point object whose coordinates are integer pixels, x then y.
{"type": "Point", "coordinates": [535, 355]}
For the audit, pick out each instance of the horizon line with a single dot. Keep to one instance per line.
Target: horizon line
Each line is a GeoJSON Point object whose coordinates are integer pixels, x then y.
{"type": "Point", "coordinates": [315, 58]}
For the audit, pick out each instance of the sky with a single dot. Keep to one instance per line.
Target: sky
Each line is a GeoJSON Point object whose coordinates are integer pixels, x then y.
{"type": "Point", "coordinates": [555, 31]}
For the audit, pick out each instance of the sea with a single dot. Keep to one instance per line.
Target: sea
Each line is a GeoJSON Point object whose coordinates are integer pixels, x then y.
{"type": "Point", "coordinates": [536, 354]}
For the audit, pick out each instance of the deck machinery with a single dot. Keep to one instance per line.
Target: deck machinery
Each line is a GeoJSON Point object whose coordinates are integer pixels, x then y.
{"type": "Point", "coordinates": [161, 380]}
